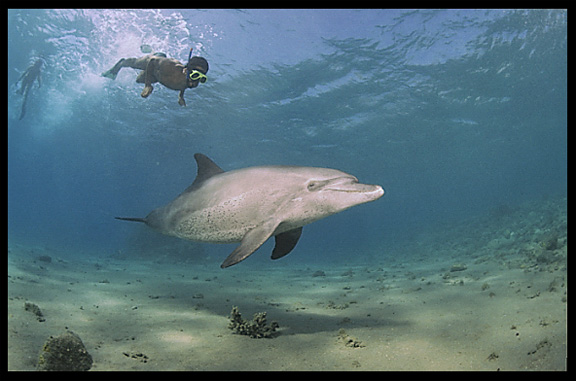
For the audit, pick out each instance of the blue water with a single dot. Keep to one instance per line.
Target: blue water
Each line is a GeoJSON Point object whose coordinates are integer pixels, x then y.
{"type": "Point", "coordinates": [453, 112]}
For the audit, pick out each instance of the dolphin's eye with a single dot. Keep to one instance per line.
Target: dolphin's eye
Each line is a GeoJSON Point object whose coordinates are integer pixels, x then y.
{"type": "Point", "coordinates": [315, 185]}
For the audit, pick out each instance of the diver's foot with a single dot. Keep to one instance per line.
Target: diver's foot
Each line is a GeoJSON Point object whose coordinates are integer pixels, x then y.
{"type": "Point", "coordinates": [112, 73]}
{"type": "Point", "coordinates": [109, 74]}
{"type": "Point", "coordinates": [147, 91]}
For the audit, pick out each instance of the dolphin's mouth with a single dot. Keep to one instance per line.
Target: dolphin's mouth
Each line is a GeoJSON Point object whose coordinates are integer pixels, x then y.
{"type": "Point", "coordinates": [365, 188]}
{"type": "Point", "coordinates": [351, 185]}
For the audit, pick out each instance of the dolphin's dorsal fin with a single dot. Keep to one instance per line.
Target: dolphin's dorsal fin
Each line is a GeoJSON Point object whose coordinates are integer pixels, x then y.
{"type": "Point", "coordinates": [206, 169]}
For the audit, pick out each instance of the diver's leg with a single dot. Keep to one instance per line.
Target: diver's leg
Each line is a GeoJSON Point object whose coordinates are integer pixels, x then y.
{"type": "Point", "coordinates": [135, 63]}
{"type": "Point", "coordinates": [149, 77]}
{"type": "Point", "coordinates": [141, 77]}
{"type": "Point", "coordinates": [24, 101]}
{"type": "Point", "coordinates": [112, 73]}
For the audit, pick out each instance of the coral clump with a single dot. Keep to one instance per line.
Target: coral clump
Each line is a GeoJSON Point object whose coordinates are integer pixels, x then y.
{"type": "Point", "coordinates": [256, 329]}
{"type": "Point", "coordinates": [550, 242]}
{"type": "Point", "coordinates": [348, 340]}
{"type": "Point", "coordinates": [35, 310]}
{"type": "Point", "coordinates": [64, 353]}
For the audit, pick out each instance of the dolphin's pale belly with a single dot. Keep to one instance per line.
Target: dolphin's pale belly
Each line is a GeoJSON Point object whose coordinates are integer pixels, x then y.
{"type": "Point", "coordinates": [202, 229]}
{"type": "Point", "coordinates": [227, 222]}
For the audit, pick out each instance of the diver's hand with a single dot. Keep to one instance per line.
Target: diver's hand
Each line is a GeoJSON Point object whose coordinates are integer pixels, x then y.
{"type": "Point", "coordinates": [181, 101]}
{"type": "Point", "coordinates": [147, 91]}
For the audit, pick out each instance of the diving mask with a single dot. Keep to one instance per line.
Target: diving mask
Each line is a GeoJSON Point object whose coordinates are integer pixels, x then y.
{"type": "Point", "coordinates": [195, 75]}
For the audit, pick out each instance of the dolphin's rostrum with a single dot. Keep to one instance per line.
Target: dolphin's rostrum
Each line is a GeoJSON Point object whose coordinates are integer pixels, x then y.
{"type": "Point", "coordinates": [250, 205]}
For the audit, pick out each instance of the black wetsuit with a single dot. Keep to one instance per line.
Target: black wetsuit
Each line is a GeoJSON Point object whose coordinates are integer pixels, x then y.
{"type": "Point", "coordinates": [27, 80]}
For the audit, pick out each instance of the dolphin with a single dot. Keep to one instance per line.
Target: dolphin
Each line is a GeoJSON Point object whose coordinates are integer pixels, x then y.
{"type": "Point", "coordinates": [250, 205]}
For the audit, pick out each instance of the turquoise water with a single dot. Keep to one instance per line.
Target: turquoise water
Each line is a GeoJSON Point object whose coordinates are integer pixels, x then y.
{"type": "Point", "coordinates": [453, 112]}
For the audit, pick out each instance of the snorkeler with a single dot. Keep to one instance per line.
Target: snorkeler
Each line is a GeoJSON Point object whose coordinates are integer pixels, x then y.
{"type": "Point", "coordinates": [26, 80]}
{"type": "Point", "coordinates": [168, 71]}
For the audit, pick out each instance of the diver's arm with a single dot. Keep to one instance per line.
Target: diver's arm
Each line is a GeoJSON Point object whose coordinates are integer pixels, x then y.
{"type": "Point", "coordinates": [181, 100]}
{"type": "Point", "coordinates": [20, 78]}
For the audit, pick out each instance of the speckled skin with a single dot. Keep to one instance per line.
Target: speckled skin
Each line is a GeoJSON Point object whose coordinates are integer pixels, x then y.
{"type": "Point", "coordinates": [252, 204]}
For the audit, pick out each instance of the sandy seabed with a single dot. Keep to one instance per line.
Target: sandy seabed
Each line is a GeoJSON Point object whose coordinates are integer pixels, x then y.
{"type": "Point", "coordinates": [490, 294]}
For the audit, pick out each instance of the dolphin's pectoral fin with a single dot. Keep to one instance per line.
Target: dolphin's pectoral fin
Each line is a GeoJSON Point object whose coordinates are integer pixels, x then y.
{"type": "Point", "coordinates": [250, 243]}
{"type": "Point", "coordinates": [285, 242]}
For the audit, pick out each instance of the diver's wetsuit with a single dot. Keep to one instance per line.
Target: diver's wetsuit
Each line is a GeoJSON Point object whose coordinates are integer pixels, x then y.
{"type": "Point", "coordinates": [27, 80]}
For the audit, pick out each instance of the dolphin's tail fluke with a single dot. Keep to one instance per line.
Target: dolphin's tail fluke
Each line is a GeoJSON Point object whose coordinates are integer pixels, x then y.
{"type": "Point", "coordinates": [134, 219]}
